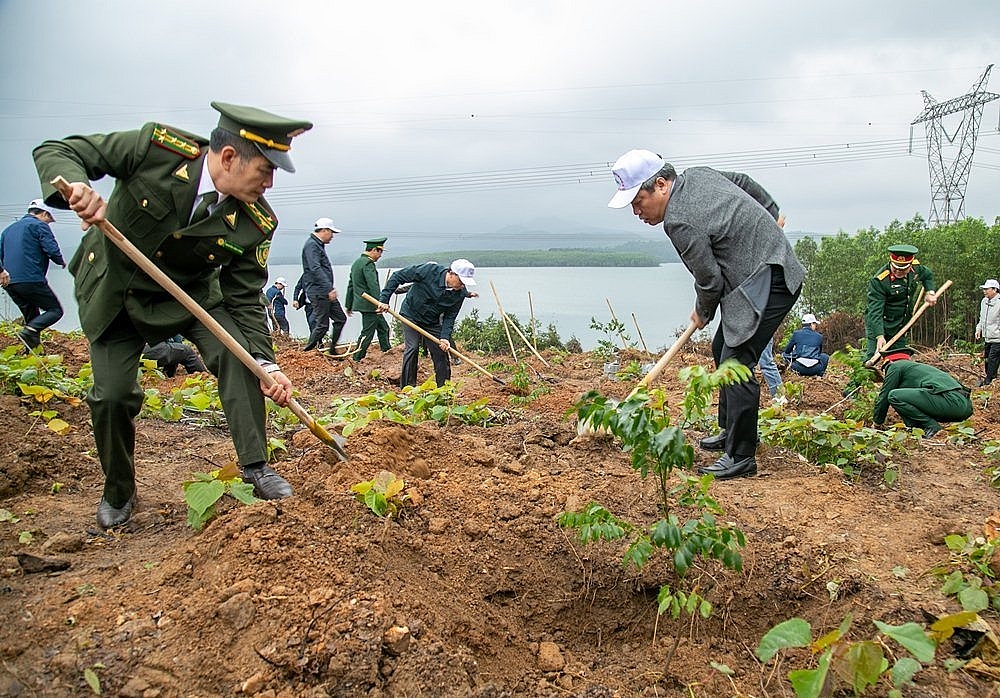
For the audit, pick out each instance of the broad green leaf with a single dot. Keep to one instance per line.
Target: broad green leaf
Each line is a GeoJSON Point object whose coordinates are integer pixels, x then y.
{"type": "Point", "coordinates": [866, 663]}
{"type": "Point", "coordinates": [242, 492]}
{"type": "Point", "coordinates": [808, 683]}
{"type": "Point", "coordinates": [912, 637]}
{"type": "Point", "coordinates": [973, 599]}
{"type": "Point", "coordinates": [202, 495]}
{"type": "Point", "coordinates": [904, 670]}
{"type": "Point", "coordinates": [91, 678]}
{"type": "Point", "coordinates": [794, 632]}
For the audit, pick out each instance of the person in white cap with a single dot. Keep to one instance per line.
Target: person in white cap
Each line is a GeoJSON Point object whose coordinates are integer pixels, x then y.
{"type": "Point", "coordinates": [988, 329]}
{"type": "Point", "coordinates": [724, 226]}
{"type": "Point", "coordinates": [433, 302]}
{"type": "Point", "coordinates": [276, 303]}
{"type": "Point", "coordinates": [804, 351]}
{"type": "Point", "coordinates": [26, 247]}
{"type": "Point", "coordinates": [318, 281]}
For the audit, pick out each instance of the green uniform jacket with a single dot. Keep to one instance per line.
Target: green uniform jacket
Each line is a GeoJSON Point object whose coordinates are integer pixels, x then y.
{"type": "Point", "coordinates": [910, 374]}
{"type": "Point", "coordinates": [219, 260]}
{"type": "Point", "coordinates": [364, 279]}
{"type": "Point", "coordinates": [890, 300]}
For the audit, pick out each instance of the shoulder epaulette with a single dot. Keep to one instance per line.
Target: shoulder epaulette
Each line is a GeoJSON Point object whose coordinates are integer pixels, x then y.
{"type": "Point", "coordinates": [881, 277]}
{"type": "Point", "coordinates": [915, 262]}
{"type": "Point", "coordinates": [175, 142]}
{"type": "Point", "coordinates": [262, 216]}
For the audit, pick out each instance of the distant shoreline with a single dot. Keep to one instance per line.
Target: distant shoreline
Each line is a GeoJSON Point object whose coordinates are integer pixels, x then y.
{"type": "Point", "coordinates": [516, 258]}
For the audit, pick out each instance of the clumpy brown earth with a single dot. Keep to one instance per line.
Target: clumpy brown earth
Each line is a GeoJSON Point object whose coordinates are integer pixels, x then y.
{"type": "Point", "coordinates": [475, 591]}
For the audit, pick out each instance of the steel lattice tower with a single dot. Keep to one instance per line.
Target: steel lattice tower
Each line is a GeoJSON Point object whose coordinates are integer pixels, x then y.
{"type": "Point", "coordinates": [948, 181]}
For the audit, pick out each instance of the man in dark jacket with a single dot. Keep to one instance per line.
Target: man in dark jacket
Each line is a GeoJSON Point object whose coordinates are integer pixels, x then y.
{"type": "Point", "coordinates": [364, 279]}
{"type": "Point", "coordinates": [196, 206]}
{"type": "Point", "coordinates": [276, 302]}
{"type": "Point", "coordinates": [317, 279]}
{"type": "Point", "coordinates": [26, 247]}
{"type": "Point", "coordinates": [924, 396]}
{"type": "Point", "coordinates": [432, 303]}
{"type": "Point", "coordinates": [300, 301]}
{"type": "Point", "coordinates": [724, 226]}
{"type": "Point", "coordinates": [804, 351]}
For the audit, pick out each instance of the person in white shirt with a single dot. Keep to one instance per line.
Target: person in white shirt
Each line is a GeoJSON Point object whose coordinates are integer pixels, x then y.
{"type": "Point", "coordinates": [988, 329]}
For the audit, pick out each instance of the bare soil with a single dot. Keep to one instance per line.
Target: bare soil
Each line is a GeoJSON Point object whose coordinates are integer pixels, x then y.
{"type": "Point", "coordinates": [475, 591]}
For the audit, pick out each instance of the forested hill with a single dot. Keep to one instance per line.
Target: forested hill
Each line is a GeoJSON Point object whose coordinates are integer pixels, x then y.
{"type": "Point", "coordinates": [643, 254]}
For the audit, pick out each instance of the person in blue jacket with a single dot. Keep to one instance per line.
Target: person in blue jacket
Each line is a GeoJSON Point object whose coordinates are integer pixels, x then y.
{"type": "Point", "coordinates": [804, 351]}
{"type": "Point", "coordinates": [26, 247]}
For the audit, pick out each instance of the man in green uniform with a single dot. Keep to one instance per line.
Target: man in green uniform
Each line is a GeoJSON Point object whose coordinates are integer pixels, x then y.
{"type": "Point", "coordinates": [364, 279]}
{"type": "Point", "coordinates": [922, 395]}
{"type": "Point", "coordinates": [195, 208]}
{"type": "Point", "coordinates": [892, 293]}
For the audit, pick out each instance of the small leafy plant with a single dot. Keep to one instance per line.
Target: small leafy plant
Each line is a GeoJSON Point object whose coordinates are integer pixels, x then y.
{"type": "Point", "coordinates": [642, 423]}
{"type": "Point", "coordinates": [203, 492]}
{"type": "Point", "coordinates": [968, 575]}
{"type": "Point", "coordinates": [701, 385]}
{"type": "Point", "coordinates": [857, 666]}
{"type": "Point", "coordinates": [383, 494]}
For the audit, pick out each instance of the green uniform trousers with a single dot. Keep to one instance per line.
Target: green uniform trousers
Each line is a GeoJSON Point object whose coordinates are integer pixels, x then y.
{"type": "Point", "coordinates": [919, 407]}
{"type": "Point", "coordinates": [116, 399]}
{"type": "Point", "coordinates": [370, 324]}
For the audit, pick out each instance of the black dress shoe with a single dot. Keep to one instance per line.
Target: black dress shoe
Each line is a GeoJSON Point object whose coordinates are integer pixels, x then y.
{"type": "Point", "coordinates": [267, 484]}
{"type": "Point", "coordinates": [726, 468]}
{"type": "Point", "coordinates": [109, 516]}
{"type": "Point", "coordinates": [714, 443]}
{"type": "Point", "coordinates": [30, 336]}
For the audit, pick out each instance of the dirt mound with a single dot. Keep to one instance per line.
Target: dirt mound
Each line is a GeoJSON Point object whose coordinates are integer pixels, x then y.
{"type": "Point", "coordinates": [475, 590]}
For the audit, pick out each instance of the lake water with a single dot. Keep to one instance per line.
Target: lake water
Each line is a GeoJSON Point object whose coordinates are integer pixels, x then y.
{"type": "Point", "coordinates": [660, 297]}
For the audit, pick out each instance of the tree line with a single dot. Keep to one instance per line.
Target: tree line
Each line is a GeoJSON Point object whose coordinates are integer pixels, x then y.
{"type": "Point", "coordinates": [839, 268]}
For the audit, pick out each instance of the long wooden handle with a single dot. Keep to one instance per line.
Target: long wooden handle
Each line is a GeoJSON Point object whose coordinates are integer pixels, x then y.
{"type": "Point", "coordinates": [412, 325]}
{"type": "Point", "coordinates": [202, 315]}
{"type": "Point", "coordinates": [668, 355]}
{"type": "Point", "coordinates": [877, 356]}
{"type": "Point", "coordinates": [508, 321]}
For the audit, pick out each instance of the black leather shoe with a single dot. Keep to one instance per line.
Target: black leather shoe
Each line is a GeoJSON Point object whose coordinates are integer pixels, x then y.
{"type": "Point", "coordinates": [931, 430]}
{"type": "Point", "coordinates": [714, 443]}
{"type": "Point", "coordinates": [30, 336]}
{"type": "Point", "coordinates": [726, 468]}
{"type": "Point", "coordinates": [267, 484]}
{"type": "Point", "coordinates": [109, 516]}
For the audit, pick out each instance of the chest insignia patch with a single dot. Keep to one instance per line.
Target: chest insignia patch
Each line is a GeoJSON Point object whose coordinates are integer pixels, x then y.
{"type": "Point", "coordinates": [231, 246]}
{"type": "Point", "coordinates": [182, 173]}
{"type": "Point", "coordinates": [263, 249]}
{"type": "Point", "coordinates": [230, 219]}
{"type": "Point", "coordinates": [174, 142]}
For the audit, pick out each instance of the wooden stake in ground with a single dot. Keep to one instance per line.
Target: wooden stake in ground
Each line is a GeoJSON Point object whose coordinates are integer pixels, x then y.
{"type": "Point", "coordinates": [428, 335]}
{"type": "Point", "coordinates": [511, 323]}
{"type": "Point", "coordinates": [621, 336]}
{"type": "Point", "coordinates": [503, 319]}
{"type": "Point", "coordinates": [639, 332]}
{"type": "Point", "coordinates": [335, 442]}
{"type": "Point", "coordinates": [531, 313]}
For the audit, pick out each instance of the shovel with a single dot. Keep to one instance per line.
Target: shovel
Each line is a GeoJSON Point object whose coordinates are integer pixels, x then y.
{"type": "Point", "coordinates": [428, 335]}
{"type": "Point", "coordinates": [334, 441]}
{"type": "Point", "coordinates": [583, 428]}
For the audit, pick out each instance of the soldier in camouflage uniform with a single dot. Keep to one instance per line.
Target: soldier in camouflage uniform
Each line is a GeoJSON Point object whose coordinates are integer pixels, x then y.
{"type": "Point", "coordinates": [195, 208]}
{"type": "Point", "coordinates": [892, 293]}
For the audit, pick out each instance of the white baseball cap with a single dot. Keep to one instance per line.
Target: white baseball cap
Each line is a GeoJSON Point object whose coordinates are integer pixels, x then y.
{"type": "Point", "coordinates": [39, 204]}
{"type": "Point", "coordinates": [809, 319]}
{"type": "Point", "coordinates": [630, 171]}
{"type": "Point", "coordinates": [280, 280]}
{"type": "Point", "coordinates": [465, 270]}
{"type": "Point", "coordinates": [322, 223]}
{"type": "Point", "coordinates": [991, 283]}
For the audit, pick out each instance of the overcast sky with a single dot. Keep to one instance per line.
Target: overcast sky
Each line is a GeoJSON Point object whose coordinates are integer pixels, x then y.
{"type": "Point", "coordinates": [544, 95]}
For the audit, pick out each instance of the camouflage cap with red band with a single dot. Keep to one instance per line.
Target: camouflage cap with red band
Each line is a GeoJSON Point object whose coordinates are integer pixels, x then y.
{"type": "Point", "coordinates": [272, 134]}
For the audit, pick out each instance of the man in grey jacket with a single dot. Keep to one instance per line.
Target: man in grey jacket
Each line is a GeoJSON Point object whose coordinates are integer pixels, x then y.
{"type": "Point", "coordinates": [724, 227]}
{"type": "Point", "coordinates": [988, 329]}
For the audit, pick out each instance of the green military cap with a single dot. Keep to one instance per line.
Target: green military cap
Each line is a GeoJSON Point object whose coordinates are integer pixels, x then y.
{"type": "Point", "coordinates": [375, 243]}
{"type": "Point", "coordinates": [272, 134]}
{"type": "Point", "coordinates": [903, 250]}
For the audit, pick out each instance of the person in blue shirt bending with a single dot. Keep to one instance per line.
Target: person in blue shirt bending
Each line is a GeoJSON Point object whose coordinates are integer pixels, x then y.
{"type": "Point", "coordinates": [804, 351]}
{"type": "Point", "coordinates": [26, 247]}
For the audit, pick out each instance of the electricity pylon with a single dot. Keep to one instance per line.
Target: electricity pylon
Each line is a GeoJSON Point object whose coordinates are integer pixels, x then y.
{"type": "Point", "coordinates": [948, 181]}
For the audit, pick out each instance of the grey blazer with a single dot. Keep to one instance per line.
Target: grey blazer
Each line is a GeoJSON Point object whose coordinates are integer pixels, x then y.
{"type": "Point", "coordinates": [722, 225]}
